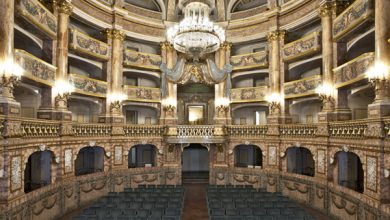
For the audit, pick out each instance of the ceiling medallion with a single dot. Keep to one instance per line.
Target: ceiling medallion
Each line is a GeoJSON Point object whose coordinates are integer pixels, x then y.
{"type": "Point", "coordinates": [196, 35]}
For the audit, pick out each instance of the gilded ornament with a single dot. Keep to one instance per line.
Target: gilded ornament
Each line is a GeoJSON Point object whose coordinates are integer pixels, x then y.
{"type": "Point", "coordinates": [64, 7]}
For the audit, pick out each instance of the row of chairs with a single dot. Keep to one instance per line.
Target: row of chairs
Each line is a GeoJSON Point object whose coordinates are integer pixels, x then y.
{"type": "Point", "coordinates": [248, 203]}
{"type": "Point", "coordinates": [162, 203]}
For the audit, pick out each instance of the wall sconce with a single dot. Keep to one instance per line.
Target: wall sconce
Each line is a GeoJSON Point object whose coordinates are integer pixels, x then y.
{"type": "Point", "coordinates": [61, 91]}
{"type": "Point", "coordinates": [169, 106]}
{"type": "Point", "coordinates": [222, 106]}
{"type": "Point", "coordinates": [10, 74]}
{"type": "Point", "coordinates": [326, 93]}
{"type": "Point", "coordinates": [378, 75]}
{"type": "Point", "coordinates": [274, 100]}
{"type": "Point", "coordinates": [115, 99]}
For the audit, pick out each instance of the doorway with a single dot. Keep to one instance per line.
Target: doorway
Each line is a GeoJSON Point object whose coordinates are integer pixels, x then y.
{"type": "Point", "coordinates": [195, 163]}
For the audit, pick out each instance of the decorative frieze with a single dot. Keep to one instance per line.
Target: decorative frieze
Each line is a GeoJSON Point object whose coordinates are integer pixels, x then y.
{"type": "Point", "coordinates": [136, 59]}
{"type": "Point", "coordinates": [305, 46]}
{"type": "Point", "coordinates": [143, 94]}
{"type": "Point", "coordinates": [355, 15]}
{"type": "Point", "coordinates": [35, 68]}
{"type": "Point", "coordinates": [302, 87]}
{"type": "Point", "coordinates": [88, 86]}
{"type": "Point", "coordinates": [248, 94]}
{"type": "Point", "coordinates": [36, 13]}
{"type": "Point", "coordinates": [250, 61]}
{"type": "Point", "coordinates": [86, 45]}
{"type": "Point", "coordinates": [354, 70]}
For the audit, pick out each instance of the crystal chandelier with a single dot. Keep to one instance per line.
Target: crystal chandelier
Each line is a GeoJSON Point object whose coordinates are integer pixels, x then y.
{"type": "Point", "coordinates": [196, 34]}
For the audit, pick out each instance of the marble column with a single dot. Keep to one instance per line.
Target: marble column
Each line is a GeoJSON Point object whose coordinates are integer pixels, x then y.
{"type": "Point", "coordinates": [381, 105]}
{"type": "Point", "coordinates": [275, 38]}
{"type": "Point", "coordinates": [113, 110]}
{"type": "Point", "coordinates": [168, 114]}
{"type": "Point", "coordinates": [328, 101]}
{"type": "Point", "coordinates": [8, 105]}
{"type": "Point", "coordinates": [222, 113]}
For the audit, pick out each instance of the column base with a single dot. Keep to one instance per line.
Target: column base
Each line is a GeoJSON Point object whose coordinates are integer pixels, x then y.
{"type": "Point", "coordinates": [52, 114]}
{"type": "Point", "coordinates": [10, 107]}
{"type": "Point", "coordinates": [379, 109]}
{"type": "Point", "coordinates": [343, 115]}
{"type": "Point", "coordinates": [326, 116]}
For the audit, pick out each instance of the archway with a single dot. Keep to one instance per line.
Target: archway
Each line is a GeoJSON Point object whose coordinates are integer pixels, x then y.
{"type": "Point", "coordinates": [350, 171]}
{"type": "Point", "coordinates": [142, 155]}
{"type": "Point", "coordinates": [195, 163]}
{"type": "Point", "coordinates": [38, 170]}
{"type": "Point", "coordinates": [89, 160]}
{"type": "Point", "coordinates": [248, 155]}
{"type": "Point", "coordinates": [300, 161]}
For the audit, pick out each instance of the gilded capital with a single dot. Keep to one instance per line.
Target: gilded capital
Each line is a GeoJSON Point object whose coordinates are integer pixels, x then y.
{"type": "Point", "coordinates": [115, 34]}
{"type": "Point", "coordinates": [64, 7]}
{"type": "Point", "coordinates": [276, 35]}
{"type": "Point", "coordinates": [165, 45]}
{"type": "Point", "coordinates": [326, 10]}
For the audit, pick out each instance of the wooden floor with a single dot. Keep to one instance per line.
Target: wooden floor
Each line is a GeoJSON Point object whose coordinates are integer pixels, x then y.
{"type": "Point", "coordinates": [195, 203]}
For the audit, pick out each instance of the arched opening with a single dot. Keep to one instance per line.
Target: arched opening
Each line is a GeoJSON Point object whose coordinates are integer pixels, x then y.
{"type": "Point", "coordinates": [195, 163]}
{"type": "Point", "coordinates": [350, 171]}
{"type": "Point", "coordinates": [300, 161]}
{"type": "Point", "coordinates": [38, 170]}
{"type": "Point", "coordinates": [89, 160]}
{"type": "Point", "coordinates": [142, 155]}
{"type": "Point", "coordinates": [248, 156]}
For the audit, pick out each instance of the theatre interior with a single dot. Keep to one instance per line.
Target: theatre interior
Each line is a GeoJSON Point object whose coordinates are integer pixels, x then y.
{"type": "Point", "coordinates": [195, 109]}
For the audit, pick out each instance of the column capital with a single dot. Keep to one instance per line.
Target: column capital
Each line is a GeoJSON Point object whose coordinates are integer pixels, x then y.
{"type": "Point", "coordinates": [226, 46]}
{"type": "Point", "coordinates": [166, 45]}
{"type": "Point", "coordinates": [64, 7]}
{"type": "Point", "coordinates": [276, 35]}
{"type": "Point", "coordinates": [115, 34]}
{"type": "Point", "coordinates": [326, 9]}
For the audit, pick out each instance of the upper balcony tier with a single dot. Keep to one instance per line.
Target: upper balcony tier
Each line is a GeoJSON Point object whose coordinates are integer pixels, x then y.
{"type": "Point", "coordinates": [249, 94]}
{"type": "Point", "coordinates": [88, 86]}
{"type": "Point", "coordinates": [250, 61]}
{"type": "Point", "coordinates": [302, 87]}
{"type": "Point", "coordinates": [140, 60]}
{"type": "Point", "coordinates": [353, 71]}
{"type": "Point", "coordinates": [35, 69]}
{"type": "Point", "coordinates": [87, 46]}
{"type": "Point", "coordinates": [32, 11]}
{"type": "Point", "coordinates": [306, 46]}
{"type": "Point", "coordinates": [356, 16]}
{"type": "Point", "coordinates": [142, 94]}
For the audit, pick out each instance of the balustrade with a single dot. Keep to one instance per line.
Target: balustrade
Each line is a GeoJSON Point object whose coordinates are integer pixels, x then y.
{"type": "Point", "coordinates": [355, 15]}
{"type": "Point", "coordinates": [37, 14]}
{"type": "Point", "coordinates": [136, 59]}
{"type": "Point", "coordinates": [247, 130]}
{"type": "Point", "coordinates": [298, 130]}
{"type": "Point", "coordinates": [144, 130]}
{"type": "Point", "coordinates": [352, 129]}
{"type": "Point", "coordinates": [250, 61]}
{"type": "Point", "coordinates": [188, 131]}
{"type": "Point", "coordinates": [86, 45]}
{"type": "Point", "coordinates": [91, 130]}
{"type": "Point", "coordinates": [88, 86]}
{"type": "Point", "coordinates": [40, 128]}
{"type": "Point", "coordinates": [354, 70]}
{"type": "Point", "coordinates": [302, 87]}
{"type": "Point", "coordinates": [143, 94]}
{"type": "Point", "coordinates": [249, 94]}
{"type": "Point", "coordinates": [35, 68]}
{"type": "Point", "coordinates": [305, 46]}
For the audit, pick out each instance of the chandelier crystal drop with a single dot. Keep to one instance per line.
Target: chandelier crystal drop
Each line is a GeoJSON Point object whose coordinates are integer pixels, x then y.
{"type": "Point", "coordinates": [196, 34]}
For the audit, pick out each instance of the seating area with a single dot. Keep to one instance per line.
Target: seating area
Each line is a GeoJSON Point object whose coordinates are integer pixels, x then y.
{"type": "Point", "coordinates": [244, 202]}
{"type": "Point", "coordinates": [161, 202]}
